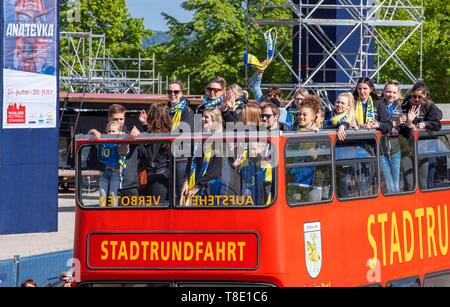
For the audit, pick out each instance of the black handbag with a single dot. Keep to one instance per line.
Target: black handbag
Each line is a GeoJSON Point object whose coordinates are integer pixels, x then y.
{"type": "Point", "coordinates": [159, 175]}
{"type": "Point", "coordinates": [156, 172]}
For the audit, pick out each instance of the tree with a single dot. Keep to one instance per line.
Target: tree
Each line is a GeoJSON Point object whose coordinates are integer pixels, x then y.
{"type": "Point", "coordinates": [436, 50]}
{"type": "Point", "coordinates": [123, 34]}
{"type": "Point", "coordinates": [213, 44]}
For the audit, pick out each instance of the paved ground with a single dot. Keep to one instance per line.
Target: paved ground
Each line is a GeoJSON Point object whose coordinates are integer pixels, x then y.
{"type": "Point", "coordinates": [42, 243]}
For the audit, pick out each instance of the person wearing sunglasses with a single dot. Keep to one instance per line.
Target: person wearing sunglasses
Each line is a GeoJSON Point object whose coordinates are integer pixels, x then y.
{"type": "Point", "coordinates": [370, 112]}
{"type": "Point", "coordinates": [270, 113]}
{"type": "Point", "coordinates": [421, 112]}
{"type": "Point", "coordinates": [273, 92]}
{"type": "Point", "coordinates": [179, 111]}
{"type": "Point", "coordinates": [214, 95]}
{"type": "Point", "coordinates": [178, 108]}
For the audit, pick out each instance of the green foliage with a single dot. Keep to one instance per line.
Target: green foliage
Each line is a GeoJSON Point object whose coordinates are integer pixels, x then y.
{"type": "Point", "coordinates": [435, 54]}
{"type": "Point", "coordinates": [123, 34]}
{"type": "Point", "coordinates": [110, 17]}
{"type": "Point", "coordinates": [213, 44]}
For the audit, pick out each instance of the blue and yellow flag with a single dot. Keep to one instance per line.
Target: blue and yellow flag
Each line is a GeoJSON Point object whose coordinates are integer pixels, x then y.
{"type": "Point", "coordinates": [270, 38]}
{"type": "Point", "coordinates": [193, 177]}
{"type": "Point", "coordinates": [292, 113]}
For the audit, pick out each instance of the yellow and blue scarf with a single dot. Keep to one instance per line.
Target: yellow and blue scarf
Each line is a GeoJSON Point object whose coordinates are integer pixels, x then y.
{"type": "Point", "coordinates": [270, 38]}
{"type": "Point", "coordinates": [370, 114]}
{"type": "Point", "coordinates": [305, 129]}
{"type": "Point", "coordinates": [206, 158]}
{"type": "Point", "coordinates": [238, 103]}
{"type": "Point", "coordinates": [210, 103]}
{"type": "Point", "coordinates": [175, 113]}
{"type": "Point", "coordinates": [336, 119]}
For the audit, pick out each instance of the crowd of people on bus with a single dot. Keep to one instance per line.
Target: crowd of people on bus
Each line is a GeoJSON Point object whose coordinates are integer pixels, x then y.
{"type": "Point", "coordinates": [143, 169]}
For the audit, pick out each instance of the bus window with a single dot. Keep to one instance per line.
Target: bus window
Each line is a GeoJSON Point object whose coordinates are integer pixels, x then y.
{"type": "Point", "coordinates": [437, 279]}
{"type": "Point", "coordinates": [228, 174]}
{"type": "Point", "coordinates": [433, 161]}
{"type": "Point", "coordinates": [396, 164]}
{"type": "Point", "coordinates": [308, 171]}
{"type": "Point", "coordinates": [124, 175]}
{"type": "Point", "coordinates": [410, 282]}
{"type": "Point", "coordinates": [356, 169]}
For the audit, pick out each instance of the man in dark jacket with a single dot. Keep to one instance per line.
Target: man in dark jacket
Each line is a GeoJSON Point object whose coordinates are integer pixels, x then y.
{"type": "Point", "coordinates": [270, 113]}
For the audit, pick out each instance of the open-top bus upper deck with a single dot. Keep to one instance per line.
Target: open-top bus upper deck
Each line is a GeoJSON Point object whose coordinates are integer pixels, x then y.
{"type": "Point", "coordinates": [304, 209]}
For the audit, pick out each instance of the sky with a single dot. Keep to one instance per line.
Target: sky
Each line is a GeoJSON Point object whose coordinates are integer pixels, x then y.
{"type": "Point", "coordinates": [151, 11]}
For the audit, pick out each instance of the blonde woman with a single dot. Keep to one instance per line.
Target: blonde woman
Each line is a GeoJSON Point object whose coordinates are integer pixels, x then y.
{"type": "Point", "coordinates": [232, 106]}
{"type": "Point", "coordinates": [390, 156]}
{"type": "Point", "coordinates": [293, 109]}
{"type": "Point", "coordinates": [212, 121]}
{"type": "Point", "coordinates": [343, 115]}
{"type": "Point", "coordinates": [204, 165]}
{"type": "Point", "coordinates": [251, 114]}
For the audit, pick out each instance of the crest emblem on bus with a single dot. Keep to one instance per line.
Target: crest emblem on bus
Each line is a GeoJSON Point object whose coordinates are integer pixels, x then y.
{"type": "Point", "coordinates": [313, 248]}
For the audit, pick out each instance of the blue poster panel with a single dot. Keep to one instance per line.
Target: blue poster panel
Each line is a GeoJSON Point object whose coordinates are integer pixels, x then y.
{"type": "Point", "coordinates": [29, 63]}
{"type": "Point", "coordinates": [29, 102]}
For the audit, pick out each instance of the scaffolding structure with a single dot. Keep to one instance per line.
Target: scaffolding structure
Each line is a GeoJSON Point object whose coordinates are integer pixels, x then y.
{"type": "Point", "coordinates": [365, 18]}
{"type": "Point", "coordinates": [86, 67]}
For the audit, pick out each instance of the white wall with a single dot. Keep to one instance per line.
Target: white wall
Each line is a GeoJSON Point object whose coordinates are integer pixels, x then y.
{"type": "Point", "coordinates": [445, 108]}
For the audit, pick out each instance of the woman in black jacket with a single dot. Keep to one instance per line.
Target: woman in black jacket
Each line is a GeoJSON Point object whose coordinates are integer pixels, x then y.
{"type": "Point", "coordinates": [182, 117]}
{"type": "Point", "coordinates": [155, 156]}
{"type": "Point", "coordinates": [370, 112]}
{"type": "Point", "coordinates": [214, 95]}
{"type": "Point", "coordinates": [178, 107]}
{"type": "Point", "coordinates": [422, 114]}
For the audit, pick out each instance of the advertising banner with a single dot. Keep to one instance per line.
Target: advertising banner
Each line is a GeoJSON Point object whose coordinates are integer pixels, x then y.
{"type": "Point", "coordinates": [29, 63]}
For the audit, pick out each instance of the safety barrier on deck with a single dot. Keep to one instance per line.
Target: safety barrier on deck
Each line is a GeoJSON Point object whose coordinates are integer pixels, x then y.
{"type": "Point", "coordinates": [38, 267]}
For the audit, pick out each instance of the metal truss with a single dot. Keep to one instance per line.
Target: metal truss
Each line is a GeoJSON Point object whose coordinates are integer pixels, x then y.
{"type": "Point", "coordinates": [368, 18]}
{"type": "Point", "coordinates": [86, 67]}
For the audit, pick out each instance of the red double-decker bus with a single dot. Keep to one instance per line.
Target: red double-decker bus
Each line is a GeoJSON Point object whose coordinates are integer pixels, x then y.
{"type": "Point", "coordinates": [284, 209]}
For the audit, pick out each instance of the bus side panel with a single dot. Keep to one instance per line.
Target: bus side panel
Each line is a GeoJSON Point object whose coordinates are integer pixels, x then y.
{"type": "Point", "coordinates": [369, 241]}
{"type": "Point", "coordinates": [265, 224]}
